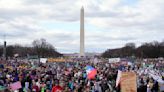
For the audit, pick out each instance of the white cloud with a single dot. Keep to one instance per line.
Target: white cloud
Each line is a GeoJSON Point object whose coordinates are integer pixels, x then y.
{"type": "Point", "coordinates": [8, 4]}
{"type": "Point", "coordinates": [114, 23]}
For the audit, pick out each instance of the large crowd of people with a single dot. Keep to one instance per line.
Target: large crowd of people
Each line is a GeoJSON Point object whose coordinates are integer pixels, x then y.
{"type": "Point", "coordinates": [72, 76]}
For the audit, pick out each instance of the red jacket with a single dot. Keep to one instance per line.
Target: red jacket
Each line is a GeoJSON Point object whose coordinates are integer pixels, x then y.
{"type": "Point", "coordinates": [56, 89]}
{"type": "Point", "coordinates": [36, 88]}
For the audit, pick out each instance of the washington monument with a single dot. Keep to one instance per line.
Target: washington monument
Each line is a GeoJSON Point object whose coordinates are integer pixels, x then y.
{"type": "Point", "coordinates": [82, 47]}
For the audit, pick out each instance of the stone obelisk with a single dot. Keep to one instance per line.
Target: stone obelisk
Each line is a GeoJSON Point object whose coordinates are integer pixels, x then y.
{"type": "Point", "coordinates": [4, 48]}
{"type": "Point", "coordinates": [4, 51]}
{"type": "Point", "coordinates": [82, 46]}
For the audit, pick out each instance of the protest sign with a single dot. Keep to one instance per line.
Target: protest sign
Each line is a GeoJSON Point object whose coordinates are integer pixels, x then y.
{"type": "Point", "coordinates": [26, 85]}
{"type": "Point", "coordinates": [15, 86]}
{"type": "Point", "coordinates": [128, 82]}
{"type": "Point", "coordinates": [43, 60]}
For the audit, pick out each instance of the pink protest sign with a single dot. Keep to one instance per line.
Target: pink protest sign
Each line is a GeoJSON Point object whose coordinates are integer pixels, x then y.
{"type": "Point", "coordinates": [15, 86]}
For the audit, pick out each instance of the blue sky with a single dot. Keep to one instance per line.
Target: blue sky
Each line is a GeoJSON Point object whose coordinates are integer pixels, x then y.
{"type": "Point", "coordinates": [108, 23]}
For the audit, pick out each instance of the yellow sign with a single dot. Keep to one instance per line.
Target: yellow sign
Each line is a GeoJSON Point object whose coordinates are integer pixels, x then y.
{"type": "Point", "coordinates": [56, 60]}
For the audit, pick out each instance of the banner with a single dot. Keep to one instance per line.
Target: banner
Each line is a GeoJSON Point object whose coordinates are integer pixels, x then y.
{"type": "Point", "coordinates": [56, 60]}
{"type": "Point", "coordinates": [114, 60]}
{"type": "Point", "coordinates": [128, 82]}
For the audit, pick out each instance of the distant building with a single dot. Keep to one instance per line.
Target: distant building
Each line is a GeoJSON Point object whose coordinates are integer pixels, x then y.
{"type": "Point", "coordinates": [76, 55]}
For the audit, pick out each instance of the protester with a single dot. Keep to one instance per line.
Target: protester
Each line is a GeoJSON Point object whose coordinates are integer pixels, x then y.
{"type": "Point", "coordinates": [75, 76]}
